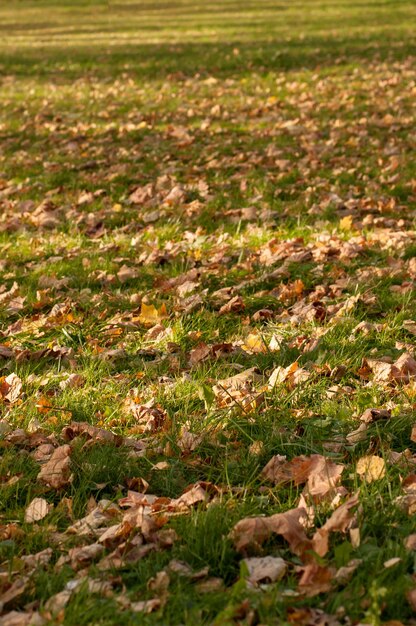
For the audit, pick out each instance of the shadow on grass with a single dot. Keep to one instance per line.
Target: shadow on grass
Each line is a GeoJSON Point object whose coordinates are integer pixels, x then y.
{"type": "Point", "coordinates": [179, 61]}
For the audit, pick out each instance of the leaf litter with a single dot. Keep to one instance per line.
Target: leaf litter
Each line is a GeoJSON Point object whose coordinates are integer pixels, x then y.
{"type": "Point", "coordinates": [228, 328]}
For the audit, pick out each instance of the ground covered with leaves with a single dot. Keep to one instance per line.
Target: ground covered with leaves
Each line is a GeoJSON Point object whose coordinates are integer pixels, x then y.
{"type": "Point", "coordinates": [207, 343]}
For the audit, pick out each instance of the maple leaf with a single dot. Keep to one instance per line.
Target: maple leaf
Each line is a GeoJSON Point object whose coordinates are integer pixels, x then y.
{"type": "Point", "coordinates": [150, 315]}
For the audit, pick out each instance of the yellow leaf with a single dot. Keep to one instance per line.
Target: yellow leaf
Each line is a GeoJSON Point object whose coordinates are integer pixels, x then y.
{"type": "Point", "coordinates": [371, 468]}
{"type": "Point", "coordinates": [254, 343]}
{"type": "Point", "coordinates": [150, 315]}
{"type": "Point", "coordinates": [346, 223]}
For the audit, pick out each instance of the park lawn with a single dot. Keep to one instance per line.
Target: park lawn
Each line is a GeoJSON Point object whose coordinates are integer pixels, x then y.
{"type": "Point", "coordinates": [189, 192]}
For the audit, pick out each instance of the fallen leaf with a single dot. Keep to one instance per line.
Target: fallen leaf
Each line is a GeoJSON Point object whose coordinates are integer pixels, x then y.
{"type": "Point", "coordinates": [210, 585]}
{"type": "Point", "coordinates": [344, 574]}
{"type": "Point", "coordinates": [73, 381]}
{"type": "Point", "coordinates": [410, 326]}
{"type": "Point", "coordinates": [37, 510]}
{"type": "Point", "coordinates": [254, 344]}
{"type": "Point", "coordinates": [315, 579]}
{"type": "Point", "coordinates": [320, 474]}
{"type": "Point", "coordinates": [371, 468]}
{"type": "Point", "coordinates": [266, 569]}
{"type": "Point", "coordinates": [252, 532]}
{"type": "Point", "coordinates": [13, 591]}
{"type": "Point", "coordinates": [339, 521]}
{"type": "Point", "coordinates": [56, 472]}
{"type": "Point", "coordinates": [292, 375]}
{"type": "Point", "coordinates": [410, 542]}
{"type": "Point", "coordinates": [11, 388]}
{"type": "Point", "coordinates": [235, 305]}
{"type": "Point", "coordinates": [150, 315]}
{"type": "Point", "coordinates": [146, 606]}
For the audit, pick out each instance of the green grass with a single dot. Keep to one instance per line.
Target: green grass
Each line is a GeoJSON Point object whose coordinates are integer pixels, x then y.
{"type": "Point", "coordinates": [272, 122]}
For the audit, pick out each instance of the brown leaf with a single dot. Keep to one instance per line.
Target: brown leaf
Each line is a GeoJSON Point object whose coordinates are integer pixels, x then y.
{"type": "Point", "coordinates": [127, 273]}
{"type": "Point", "coordinates": [56, 472]}
{"type": "Point", "coordinates": [183, 569]}
{"type": "Point", "coordinates": [210, 585]}
{"type": "Point", "coordinates": [150, 418]}
{"type": "Point", "coordinates": [199, 492]}
{"type": "Point", "coordinates": [13, 591]}
{"type": "Point", "coordinates": [344, 574]}
{"type": "Point", "coordinates": [411, 598]}
{"type": "Point", "coordinates": [339, 521]}
{"type": "Point", "coordinates": [90, 432]}
{"type": "Point", "coordinates": [103, 514]}
{"type": "Point", "coordinates": [252, 532]}
{"type": "Point", "coordinates": [33, 561]}
{"type": "Point", "coordinates": [201, 352]}
{"type": "Point", "coordinates": [235, 305]}
{"type": "Point", "coordinates": [410, 326]}
{"type": "Point", "coordinates": [315, 579]}
{"type": "Point", "coordinates": [401, 371]}
{"type": "Point", "coordinates": [73, 381]}
{"type": "Point", "coordinates": [373, 415]}
{"type": "Point", "coordinates": [160, 583]}
{"type": "Point", "coordinates": [320, 474]}
{"type": "Point", "coordinates": [82, 556]}
{"type": "Point", "coordinates": [410, 542]}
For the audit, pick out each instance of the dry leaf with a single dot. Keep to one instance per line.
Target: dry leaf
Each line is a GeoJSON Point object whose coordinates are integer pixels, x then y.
{"type": "Point", "coordinates": [210, 585]}
{"type": "Point", "coordinates": [340, 520]}
{"type": "Point", "coordinates": [320, 474]}
{"type": "Point", "coordinates": [345, 573]}
{"type": "Point", "coordinates": [292, 375]}
{"type": "Point", "coordinates": [57, 471]}
{"type": "Point", "coordinates": [315, 579]}
{"type": "Point", "coordinates": [37, 510]}
{"type": "Point", "coordinates": [150, 315]}
{"type": "Point", "coordinates": [11, 388]}
{"type": "Point", "coordinates": [265, 569]}
{"type": "Point", "coordinates": [73, 381]}
{"type": "Point", "coordinates": [410, 326]}
{"type": "Point", "coordinates": [411, 598]}
{"type": "Point", "coordinates": [146, 606]}
{"type": "Point", "coordinates": [20, 618]}
{"type": "Point", "coordinates": [371, 468]}
{"type": "Point", "coordinates": [410, 542]}
{"type": "Point", "coordinates": [235, 305]}
{"type": "Point", "coordinates": [254, 344]}
{"type": "Point", "coordinates": [15, 590]}
{"type": "Point", "coordinates": [200, 492]}
{"type": "Point", "coordinates": [252, 532]}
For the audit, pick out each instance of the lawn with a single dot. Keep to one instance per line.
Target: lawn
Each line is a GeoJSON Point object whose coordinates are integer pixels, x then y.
{"type": "Point", "coordinates": [207, 309]}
